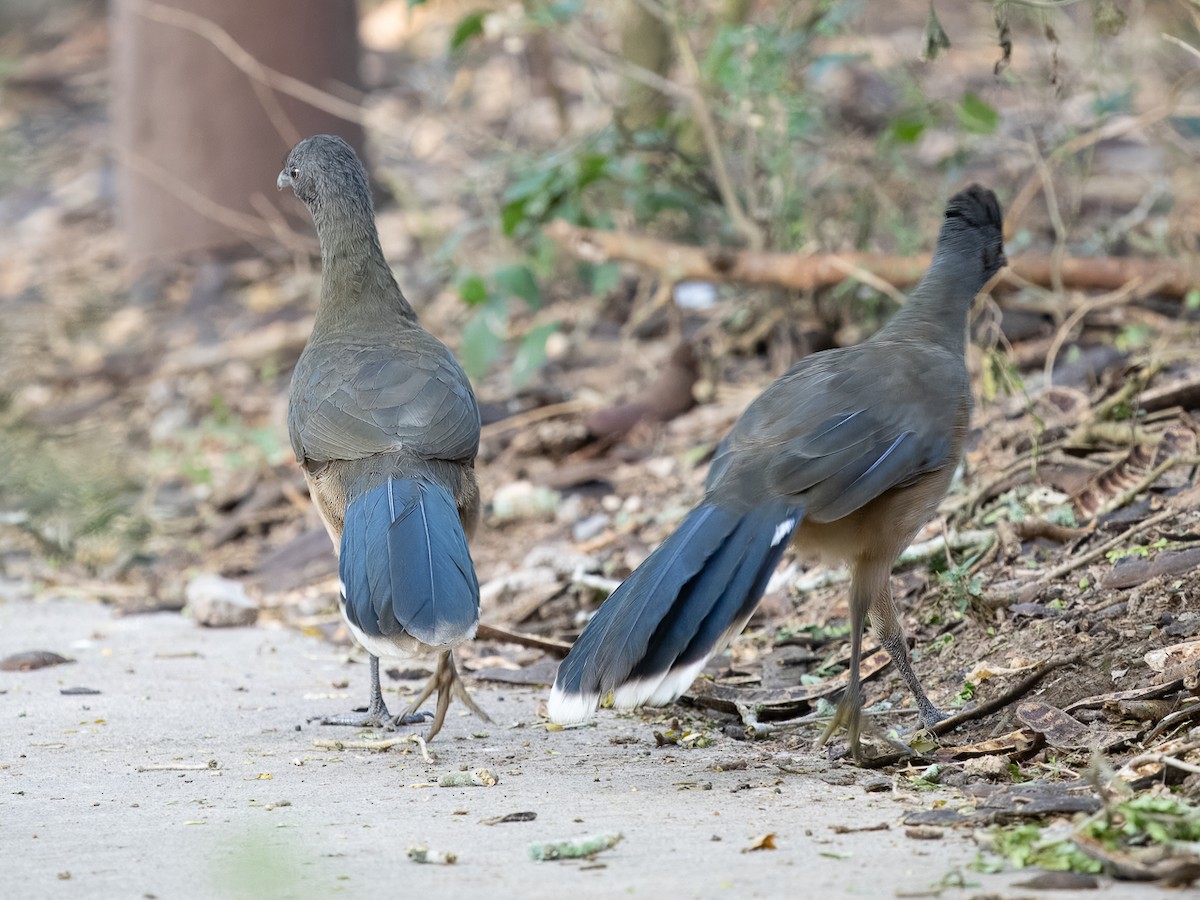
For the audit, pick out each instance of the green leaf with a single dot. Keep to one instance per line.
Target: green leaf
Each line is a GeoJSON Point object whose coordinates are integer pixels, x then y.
{"type": "Point", "coordinates": [975, 115]}
{"type": "Point", "coordinates": [469, 26]}
{"type": "Point", "coordinates": [511, 216]}
{"type": "Point", "coordinates": [907, 129]}
{"type": "Point", "coordinates": [473, 290]}
{"type": "Point", "coordinates": [518, 281]}
{"type": "Point", "coordinates": [592, 167]}
{"type": "Point", "coordinates": [531, 355]}
{"type": "Point", "coordinates": [603, 278]}
{"type": "Point", "coordinates": [482, 340]}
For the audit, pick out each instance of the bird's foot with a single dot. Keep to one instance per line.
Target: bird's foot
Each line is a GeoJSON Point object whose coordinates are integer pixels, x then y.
{"type": "Point", "coordinates": [376, 715]}
{"type": "Point", "coordinates": [420, 717]}
{"type": "Point", "coordinates": [447, 684]}
{"type": "Point", "coordinates": [930, 714]}
{"type": "Point", "coordinates": [371, 717]}
{"type": "Point", "coordinates": [847, 717]}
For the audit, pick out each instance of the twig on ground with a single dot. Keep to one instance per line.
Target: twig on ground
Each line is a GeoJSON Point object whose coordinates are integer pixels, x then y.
{"type": "Point", "coordinates": [211, 766]}
{"type": "Point", "coordinates": [1156, 473]}
{"type": "Point", "coordinates": [1095, 553]}
{"type": "Point", "coordinates": [1134, 288]}
{"type": "Point", "coordinates": [1169, 721]}
{"type": "Point", "coordinates": [495, 633]}
{"type": "Point", "coordinates": [1164, 759]}
{"type": "Point", "coordinates": [380, 745]}
{"type": "Point", "coordinates": [1014, 693]}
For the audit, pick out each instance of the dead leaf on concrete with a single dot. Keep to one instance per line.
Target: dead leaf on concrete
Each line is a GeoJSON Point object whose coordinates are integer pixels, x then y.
{"type": "Point", "coordinates": [524, 816]}
{"type": "Point", "coordinates": [29, 660]}
{"type": "Point", "coordinates": [765, 842]}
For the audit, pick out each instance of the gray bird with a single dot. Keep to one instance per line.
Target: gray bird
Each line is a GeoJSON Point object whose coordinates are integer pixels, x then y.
{"type": "Point", "coordinates": [846, 456]}
{"type": "Point", "coordinates": [385, 425]}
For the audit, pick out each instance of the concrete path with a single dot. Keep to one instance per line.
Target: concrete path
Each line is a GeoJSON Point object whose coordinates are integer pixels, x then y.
{"type": "Point", "coordinates": [91, 808]}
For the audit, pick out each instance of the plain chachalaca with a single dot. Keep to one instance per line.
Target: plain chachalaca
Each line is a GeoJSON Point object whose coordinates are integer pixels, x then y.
{"type": "Point", "coordinates": [386, 427]}
{"type": "Point", "coordinates": [847, 456]}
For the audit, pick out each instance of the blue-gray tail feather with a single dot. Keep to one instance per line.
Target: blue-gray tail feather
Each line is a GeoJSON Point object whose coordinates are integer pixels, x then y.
{"type": "Point", "coordinates": [405, 566]}
{"type": "Point", "coordinates": [679, 606]}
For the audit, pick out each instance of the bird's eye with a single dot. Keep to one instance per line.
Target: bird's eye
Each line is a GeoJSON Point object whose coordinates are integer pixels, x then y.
{"type": "Point", "coordinates": [294, 172]}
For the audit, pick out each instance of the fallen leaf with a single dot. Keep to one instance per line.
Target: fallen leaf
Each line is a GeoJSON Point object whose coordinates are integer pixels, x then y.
{"type": "Point", "coordinates": [30, 660]}
{"type": "Point", "coordinates": [766, 842]}
{"type": "Point", "coordinates": [527, 816]}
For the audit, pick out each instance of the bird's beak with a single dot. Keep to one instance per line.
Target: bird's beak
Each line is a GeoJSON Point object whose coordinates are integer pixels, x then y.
{"type": "Point", "coordinates": [284, 180]}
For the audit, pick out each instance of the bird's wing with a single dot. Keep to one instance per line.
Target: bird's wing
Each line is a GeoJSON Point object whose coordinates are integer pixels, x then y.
{"type": "Point", "coordinates": [837, 432]}
{"type": "Point", "coordinates": [352, 400]}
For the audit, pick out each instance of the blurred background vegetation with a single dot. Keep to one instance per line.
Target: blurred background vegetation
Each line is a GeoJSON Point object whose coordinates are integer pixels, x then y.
{"type": "Point", "coordinates": [155, 289]}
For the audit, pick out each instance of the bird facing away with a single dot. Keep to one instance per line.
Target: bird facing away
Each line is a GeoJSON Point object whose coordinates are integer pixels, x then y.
{"type": "Point", "coordinates": [385, 425]}
{"type": "Point", "coordinates": [847, 455]}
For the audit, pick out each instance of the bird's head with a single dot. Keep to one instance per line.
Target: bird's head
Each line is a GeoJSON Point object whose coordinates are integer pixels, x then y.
{"type": "Point", "coordinates": [973, 230]}
{"type": "Point", "coordinates": [322, 170]}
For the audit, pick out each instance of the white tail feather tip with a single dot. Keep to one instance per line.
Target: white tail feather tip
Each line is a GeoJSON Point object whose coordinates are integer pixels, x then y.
{"type": "Point", "coordinates": [569, 709]}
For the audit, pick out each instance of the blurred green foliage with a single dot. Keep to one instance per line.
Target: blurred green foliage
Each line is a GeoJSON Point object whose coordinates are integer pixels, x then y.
{"type": "Point", "coordinates": [757, 68]}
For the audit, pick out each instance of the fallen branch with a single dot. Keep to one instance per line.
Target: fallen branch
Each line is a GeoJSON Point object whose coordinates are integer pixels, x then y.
{"type": "Point", "coordinates": [1029, 590]}
{"type": "Point", "coordinates": [682, 262]}
{"type": "Point", "coordinates": [1014, 693]}
{"type": "Point", "coordinates": [495, 633]}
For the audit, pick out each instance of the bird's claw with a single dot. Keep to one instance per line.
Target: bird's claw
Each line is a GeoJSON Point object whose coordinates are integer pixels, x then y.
{"type": "Point", "coordinates": [418, 717]}
{"type": "Point", "coordinates": [355, 720]}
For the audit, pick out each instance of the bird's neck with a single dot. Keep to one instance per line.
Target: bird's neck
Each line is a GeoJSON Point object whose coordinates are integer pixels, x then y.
{"type": "Point", "coordinates": [356, 281]}
{"type": "Point", "coordinates": [936, 311]}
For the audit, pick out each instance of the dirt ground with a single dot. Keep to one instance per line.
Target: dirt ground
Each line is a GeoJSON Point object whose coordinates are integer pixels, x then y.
{"type": "Point", "coordinates": [255, 810]}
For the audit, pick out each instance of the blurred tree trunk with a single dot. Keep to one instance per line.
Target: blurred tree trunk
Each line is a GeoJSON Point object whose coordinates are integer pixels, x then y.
{"type": "Point", "coordinates": [647, 42]}
{"type": "Point", "coordinates": [198, 140]}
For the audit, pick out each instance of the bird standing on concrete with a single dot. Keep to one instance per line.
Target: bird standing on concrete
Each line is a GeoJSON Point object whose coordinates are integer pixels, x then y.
{"type": "Point", "coordinates": [385, 425]}
{"type": "Point", "coordinates": [847, 456]}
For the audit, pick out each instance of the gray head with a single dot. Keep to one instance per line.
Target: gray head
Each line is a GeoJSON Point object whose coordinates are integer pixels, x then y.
{"type": "Point", "coordinates": [325, 174]}
{"type": "Point", "coordinates": [972, 232]}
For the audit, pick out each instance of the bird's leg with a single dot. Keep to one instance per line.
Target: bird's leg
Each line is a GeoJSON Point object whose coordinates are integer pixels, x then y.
{"type": "Point", "coordinates": [885, 621]}
{"type": "Point", "coordinates": [376, 716]}
{"type": "Point", "coordinates": [447, 684]}
{"type": "Point", "coordinates": [849, 708]}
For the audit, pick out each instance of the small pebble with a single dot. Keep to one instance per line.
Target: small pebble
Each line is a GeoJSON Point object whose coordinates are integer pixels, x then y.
{"type": "Point", "coordinates": [877, 784]}
{"type": "Point", "coordinates": [218, 602]}
{"type": "Point", "coordinates": [993, 767]}
{"type": "Point", "coordinates": [923, 833]}
{"type": "Point", "coordinates": [586, 529]}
